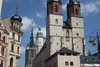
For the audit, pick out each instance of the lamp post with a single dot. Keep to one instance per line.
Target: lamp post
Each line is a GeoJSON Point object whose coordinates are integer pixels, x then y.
{"type": "Point", "coordinates": [95, 41]}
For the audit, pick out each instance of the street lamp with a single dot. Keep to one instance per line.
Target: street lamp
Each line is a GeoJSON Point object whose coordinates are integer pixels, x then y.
{"type": "Point", "coordinates": [95, 41]}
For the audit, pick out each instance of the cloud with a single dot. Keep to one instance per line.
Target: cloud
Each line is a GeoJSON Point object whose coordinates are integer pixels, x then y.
{"type": "Point", "coordinates": [64, 6]}
{"type": "Point", "coordinates": [43, 30]}
{"type": "Point", "coordinates": [27, 23]}
{"type": "Point", "coordinates": [87, 8]}
{"type": "Point", "coordinates": [22, 50]}
{"type": "Point", "coordinates": [90, 8]}
{"type": "Point", "coordinates": [40, 15]}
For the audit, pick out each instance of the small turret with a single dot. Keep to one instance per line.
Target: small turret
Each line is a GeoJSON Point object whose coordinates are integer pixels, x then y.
{"type": "Point", "coordinates": [39, 40]}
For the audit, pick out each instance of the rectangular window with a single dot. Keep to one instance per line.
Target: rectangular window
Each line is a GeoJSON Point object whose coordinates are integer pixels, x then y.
{"type": "Point", "coordinates": [13, 35]}
{"type": "Point", "coordinates": [18, 50]}
{"type": "Point", "coordinates": [12, 48]}
{"type": "Point", "coordinates": [67, 38]}
{"type": "Point", "coordinates": [66, 64]}
{"type": "Point", "coordinates": [1, 63]}
{"type": "Point", "coordinates": [71, 63]}
{"type": "Point", "coordinates": [18, 38]}
{"type": "Point", "coordinates": [3, 51]}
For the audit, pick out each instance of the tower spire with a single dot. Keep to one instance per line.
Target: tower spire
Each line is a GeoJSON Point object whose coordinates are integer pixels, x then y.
{"type": "Point", "coordinates": [31, 38]}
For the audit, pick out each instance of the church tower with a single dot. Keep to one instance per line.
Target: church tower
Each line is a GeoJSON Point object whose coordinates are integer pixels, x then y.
{"type": "Point", "coordinates": [73, 8]}
{"type": "Point", "coordinates": [75, 20]}
{"type": "Point", "coordinates": [30, 51]}
{"type": "Point", "coordinates": [54, 25]}
{"type": "Point", "coordinates": [39, 40]}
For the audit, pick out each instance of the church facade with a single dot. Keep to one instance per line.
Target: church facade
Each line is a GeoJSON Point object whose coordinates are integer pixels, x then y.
{"type": "Point", "coordinates": [64, 40]}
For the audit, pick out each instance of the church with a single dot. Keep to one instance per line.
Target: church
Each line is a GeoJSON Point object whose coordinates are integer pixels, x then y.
{"type": "Point", "coordinates": [65, 42]}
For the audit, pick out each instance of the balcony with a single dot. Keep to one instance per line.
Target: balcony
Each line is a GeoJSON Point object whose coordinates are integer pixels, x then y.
{"type": "Point", "coordinates": [17, 30]}
{"type": "Point", "coordinates": [17, 56]}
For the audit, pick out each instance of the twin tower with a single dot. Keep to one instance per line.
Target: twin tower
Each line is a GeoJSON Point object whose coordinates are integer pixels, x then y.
{"type": "Point", "coordinates": [60, 34]}
{"type": "Point", "coordinates": [68, 34]}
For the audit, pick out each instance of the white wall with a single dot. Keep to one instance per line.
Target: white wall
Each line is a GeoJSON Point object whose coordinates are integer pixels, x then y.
{"type": "Point", "coordinates": [0, 7]}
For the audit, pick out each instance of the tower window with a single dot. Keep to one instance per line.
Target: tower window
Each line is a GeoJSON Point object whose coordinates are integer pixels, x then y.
{"type": "Point", "coordinates": [11, 62]}
{"type": "Point", "coordinates": [67, 35]}
{"type": "Point", "coordinates": [56, 8]}
{"type": "Point", "coordinates": [56, 21]}
{"type": "Point", "coordinates": [67, 32]}
{"type": "Point", "coordinates": [76, 23]}
{"type": "Point", "coordinates": [76, 11]}
{"type": "Point", "coordinates": [77, 34]}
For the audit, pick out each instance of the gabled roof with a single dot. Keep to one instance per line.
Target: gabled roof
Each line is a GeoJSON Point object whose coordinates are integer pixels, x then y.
{"type": "Point", "coordinates": [66, 25]}
{"type": "Point", "coordinates": [62, 51]}
{"type": "Point", "coordinates": [66, 50]}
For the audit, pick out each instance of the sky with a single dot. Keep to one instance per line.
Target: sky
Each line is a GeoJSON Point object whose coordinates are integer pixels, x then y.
{"type": "Point", "coordinates": [33, 13]}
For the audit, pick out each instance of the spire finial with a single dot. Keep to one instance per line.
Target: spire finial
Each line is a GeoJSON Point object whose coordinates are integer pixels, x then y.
{"type": "Point", "coordinates": [16, 9]}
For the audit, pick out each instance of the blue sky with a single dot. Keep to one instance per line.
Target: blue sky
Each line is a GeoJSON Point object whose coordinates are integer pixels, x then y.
{"type": "Point", "coordinates": [33, 13]}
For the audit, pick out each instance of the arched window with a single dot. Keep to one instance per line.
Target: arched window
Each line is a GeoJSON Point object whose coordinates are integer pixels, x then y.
{"type": "Point", "coordinates": [56, 21]}
{"type": "Point", "coordinates": [67, 35]}
{"type": "Point", "coordinates": [11, 62]}
{"type": "Point", "coordinates": [4, 39]}
{"type": "Point", "coordinates": [67, 32]}
{"type": "Point", "coordinates": [76, 11]}
{"type": "Point", "coordinates": [56, 8]}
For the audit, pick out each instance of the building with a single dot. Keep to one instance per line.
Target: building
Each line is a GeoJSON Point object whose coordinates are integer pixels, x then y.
{"type": "Point", "coordinates": [90, 61]}
{"type": "Point", "coordinates": [32, 50]}
{"type": "Point", "coordinates": [4, 34]}
{"type": "Point", "coordinates": [65, 41]}
{"type": "Point", "coordinates": [10, 40]}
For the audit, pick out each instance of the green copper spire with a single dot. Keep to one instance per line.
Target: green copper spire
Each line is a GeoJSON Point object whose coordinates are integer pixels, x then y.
{"type": "Point", "coordinates": [39, 30]}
